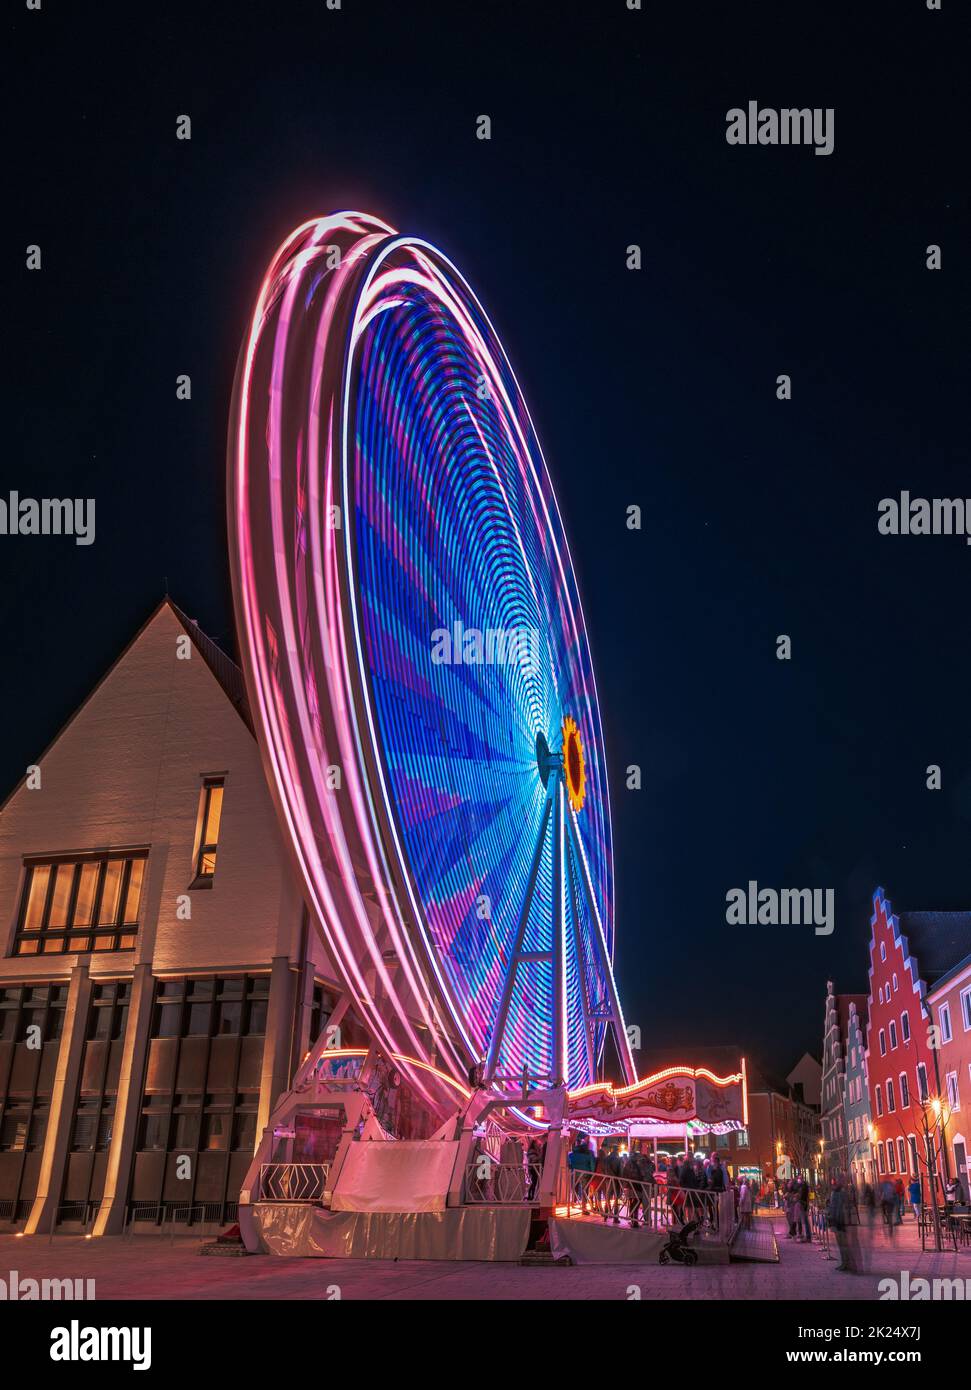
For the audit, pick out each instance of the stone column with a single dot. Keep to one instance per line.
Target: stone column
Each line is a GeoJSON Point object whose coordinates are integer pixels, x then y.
{"type": "Point", "coordinates": [50, 1179]}
{"type": "Point", "coordinates": [128, 1105]}
{"type": "Point", "coordinates": [275, 1077]}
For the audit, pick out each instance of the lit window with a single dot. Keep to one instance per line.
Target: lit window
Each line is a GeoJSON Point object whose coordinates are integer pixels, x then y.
{"type": "Point", "coordinates": [951, 1082]}
{"type": "Point", "coordinates": [211, 813]}
{"type": "Point", "coordinates": [80, 905]}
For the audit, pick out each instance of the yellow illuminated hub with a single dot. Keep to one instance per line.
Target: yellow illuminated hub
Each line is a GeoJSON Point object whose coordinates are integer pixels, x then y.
{"type": "Point", "coordinates": [574, 767]}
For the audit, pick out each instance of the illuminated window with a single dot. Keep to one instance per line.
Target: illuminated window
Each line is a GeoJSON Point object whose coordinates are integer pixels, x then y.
{"type": "Point", "coordinates": [951, 1086]}
{"type": "Point", "coordinates": [211, 813]}
{"type": "Point", "coordinates": [79, 905]}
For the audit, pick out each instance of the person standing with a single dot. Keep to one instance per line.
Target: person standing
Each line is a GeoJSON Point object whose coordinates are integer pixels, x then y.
{"type": "Point", "coordinates": [914, 1194]}
{"type": "Point", "coordinates": [534, 1167]}
{"type": "Point", "coordinates": [745, 1205]}
{"type": "Point", "coordinates": [804, 1204]}
{"type": "Point", "coordinates": [837, 1217]}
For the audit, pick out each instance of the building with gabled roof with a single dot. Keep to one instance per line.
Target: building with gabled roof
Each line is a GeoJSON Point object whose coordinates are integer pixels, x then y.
{"type": "Point", "coordinates": [909, 953]}
{"type": "Point", "coordinates": [158, 979]}
{"type": "Point", "coordinates": [835, 1129]}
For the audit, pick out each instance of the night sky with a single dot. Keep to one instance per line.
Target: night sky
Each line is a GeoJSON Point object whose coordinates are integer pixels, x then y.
{"type": "Point", "coordinates": [655, 387]}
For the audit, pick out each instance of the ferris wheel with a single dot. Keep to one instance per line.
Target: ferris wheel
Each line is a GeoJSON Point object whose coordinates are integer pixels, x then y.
{"type": "Point", "coordinates": [417, 663]}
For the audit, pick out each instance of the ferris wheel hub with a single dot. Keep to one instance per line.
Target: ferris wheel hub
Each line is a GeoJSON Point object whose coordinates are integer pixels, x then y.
{"type": "Point", "coordinates": [574, 764]}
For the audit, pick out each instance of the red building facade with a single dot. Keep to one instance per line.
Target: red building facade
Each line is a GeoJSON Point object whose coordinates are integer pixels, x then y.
{"type": "Point", "coordinates": [907, 954]}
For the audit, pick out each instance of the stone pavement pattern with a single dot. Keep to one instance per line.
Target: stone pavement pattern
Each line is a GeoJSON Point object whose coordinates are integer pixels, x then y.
{"type": "Point", "coordinates": [146, 1267]}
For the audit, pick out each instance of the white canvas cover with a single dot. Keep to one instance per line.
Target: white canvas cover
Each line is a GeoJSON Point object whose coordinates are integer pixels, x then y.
{"type": "Point", "coordinates": [403, 1175]}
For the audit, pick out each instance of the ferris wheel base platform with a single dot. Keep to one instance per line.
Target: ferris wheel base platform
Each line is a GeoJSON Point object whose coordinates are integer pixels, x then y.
{"type": "Point", "coordinates": [299, 1229]}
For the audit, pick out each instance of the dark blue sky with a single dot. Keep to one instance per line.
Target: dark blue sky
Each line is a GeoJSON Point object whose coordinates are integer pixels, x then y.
{"type": "Point", "coordinates": [656, 388]}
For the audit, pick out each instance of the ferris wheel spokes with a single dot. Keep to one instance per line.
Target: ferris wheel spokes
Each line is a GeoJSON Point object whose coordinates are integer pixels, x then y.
{"type": "Point", "coordinates": [569, 869]}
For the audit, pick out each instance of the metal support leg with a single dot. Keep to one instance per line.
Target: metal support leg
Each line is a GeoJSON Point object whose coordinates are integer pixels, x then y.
{"type": "Point", "coordinates": [502, 1016]}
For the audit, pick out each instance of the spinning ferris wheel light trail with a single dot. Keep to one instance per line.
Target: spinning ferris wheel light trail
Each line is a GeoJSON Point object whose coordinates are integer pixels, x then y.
{"type": "Point", "coordinates": [447, 803]}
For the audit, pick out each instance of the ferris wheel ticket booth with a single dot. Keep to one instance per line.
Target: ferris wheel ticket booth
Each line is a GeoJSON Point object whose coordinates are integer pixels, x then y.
{"type": "Point", "coordinates": [421, 685]}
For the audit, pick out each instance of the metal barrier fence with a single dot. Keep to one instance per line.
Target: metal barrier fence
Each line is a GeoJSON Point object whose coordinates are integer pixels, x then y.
{"type": "Point", "coordinates": [490, 1183]}
{"type": "Point", "coordinates": [641, 1203]}
{"type": "Point", "coordinates": [167, 1217]}
{"type": "Point", "coordinates": [820, 1231]}
{"type": "Point", "coordinates": [293, 1182]}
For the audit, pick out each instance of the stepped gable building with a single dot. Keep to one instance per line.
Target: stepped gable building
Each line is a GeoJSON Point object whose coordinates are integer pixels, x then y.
{"type": "Point", "coordinates": [856, 1102]}
{"type": "Point", "coordinates": [909, 954]}
{"type": "Point", "coordinates": [834, 1121]}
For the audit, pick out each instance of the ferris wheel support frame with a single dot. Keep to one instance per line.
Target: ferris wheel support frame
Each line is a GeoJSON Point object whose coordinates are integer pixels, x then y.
{"type": "Point", "coordinates": [569, 865]}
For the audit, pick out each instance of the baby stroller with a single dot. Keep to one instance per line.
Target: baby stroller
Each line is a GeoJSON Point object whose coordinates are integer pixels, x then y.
{"type": "Point", "coordinates": [677, 1251]}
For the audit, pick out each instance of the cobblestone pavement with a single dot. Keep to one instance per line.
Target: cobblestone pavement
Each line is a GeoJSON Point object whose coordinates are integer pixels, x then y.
{"type": "Point", "coordinates": [156, 1268]}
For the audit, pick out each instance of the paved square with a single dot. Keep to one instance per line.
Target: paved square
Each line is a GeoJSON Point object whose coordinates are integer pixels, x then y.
{"type": "Point", "coordinates": [157, 1268]}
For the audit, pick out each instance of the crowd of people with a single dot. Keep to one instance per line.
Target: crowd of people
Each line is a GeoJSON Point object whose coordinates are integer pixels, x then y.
{"type": "Point", "coordinates": [613, 1180]}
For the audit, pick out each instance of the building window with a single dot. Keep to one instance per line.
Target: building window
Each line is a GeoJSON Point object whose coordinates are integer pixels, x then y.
{"type": "Point", "coordinates": [891, 1097]}
{"type": "Point", "coordinates": [210, 814]}
{"type": "Point", "coordinates": [883, 1043]}
{"type": "Point", "coordinates": [905, 1026]}
{"type": "Point", "coordinates": [895, 985]}
{"type": "Point", "coordinates": [891, 1158]}
{"type": "Point", "coordinates": [902, 1155]}
{"type": "Point", "coordinates": [878, 1093]}
{"type": "Point", "coordinates": [904, 1091]}
{"type": "Point", "coordinates": [966, 1008]}
{"type": "Point", "coordinates": [922, 1091]}
{"type": "Point", "coordinates": [912, 1144]}
{"type": "Point", "coordinates": [951, 1085]}
{"type": "Point", "coordinates": [883, 950]}
{"type": "Point", "coordinates": [80, 905]}
{"type": "Point", "coordinates": [944, 1018]}
{"type": "Point", "coordinates": [893, 1033]}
